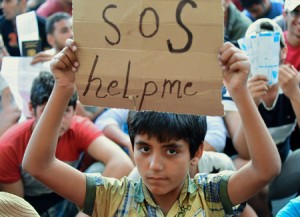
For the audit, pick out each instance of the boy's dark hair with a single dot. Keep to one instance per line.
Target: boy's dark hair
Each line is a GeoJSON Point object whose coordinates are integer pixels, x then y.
{"type": "Point", "coordinates": [41, 89]}
{"type": "Point", "coordinates": [168, 126]}
{"type": "Point", "coordinates": [249, 3]}
{"type": "Point", "coordinates": [54, 18]}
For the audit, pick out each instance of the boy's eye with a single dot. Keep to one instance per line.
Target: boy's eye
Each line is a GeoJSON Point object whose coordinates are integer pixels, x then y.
{"type": "Point", "coordinates": [171, 152]}
{"type": "Point", "coordinates": [144, 149]}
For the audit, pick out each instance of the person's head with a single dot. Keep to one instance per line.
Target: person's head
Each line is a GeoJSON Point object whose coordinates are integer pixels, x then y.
{"type": "Point", "coordinates": [59, 29]}
{"type": "Point", "coordinates": [39, 95]}
{"type": "Point", "coordinates": [292, 16]}
{"type": "Point", "coordinates": [257, 8]}
{"type": "Point", "coordinates": [268, 25]}
{"type": "Point", "coordinates": [165, 146]}
{"type": "Point", "coordinates": [13, 205]}
{"type": "Point", "coordinates": [12, 8]}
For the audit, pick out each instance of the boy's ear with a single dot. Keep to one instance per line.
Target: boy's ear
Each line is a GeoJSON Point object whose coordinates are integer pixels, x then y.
{"type": "Point", "coordinates": [283, 53]}
{"type": "Point", "coordinates": [51, 40]}
{"type": "Point", "coordinates": [198, 155]}
{"type": "Point", "coordinates": [31, 109]}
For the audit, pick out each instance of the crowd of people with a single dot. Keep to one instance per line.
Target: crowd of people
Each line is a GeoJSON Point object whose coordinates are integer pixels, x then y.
{"type": "Point", "coordinates": [68, 159]}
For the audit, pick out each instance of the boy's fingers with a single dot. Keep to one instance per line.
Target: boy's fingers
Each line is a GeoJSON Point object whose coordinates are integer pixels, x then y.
{"type": "Point", "coordinates": [240, 65]}
{"type": "Point", "coordinates": [71, 44]}
{"type": "Point", "coordinates": [225, 46]}
{"type": "Point", "coordinates": [69, 51]}
{"type": "Point", "coordinates": [60, 61]}
{"type": "Point", "coordinates": [231, 55]}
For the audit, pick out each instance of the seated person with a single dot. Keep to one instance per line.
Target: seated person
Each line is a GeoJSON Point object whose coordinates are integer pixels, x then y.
{"type": "Point", "coordinates": [256, 9]}
{"type": "Point", "coordinates": [77, 135]}
{"type": "Point", "coordinates": [165, 145]}
{"type": "Point", "coordinates": [279, 107]}
{"type": "Point", "coordinates": [292, 209]}
{"type": "Point", "coordinates": [11, 9]}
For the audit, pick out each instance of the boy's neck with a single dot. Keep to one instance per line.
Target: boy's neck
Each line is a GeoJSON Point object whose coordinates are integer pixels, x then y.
{"type": "Point", "coordinates": [166, 201]}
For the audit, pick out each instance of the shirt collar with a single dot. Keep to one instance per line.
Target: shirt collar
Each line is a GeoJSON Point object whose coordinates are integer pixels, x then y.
{"type": "Point", "coordinates": [141, 192]}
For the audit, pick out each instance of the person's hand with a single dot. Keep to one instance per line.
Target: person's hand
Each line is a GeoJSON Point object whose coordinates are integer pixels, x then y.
{"type": "Point", "coordinates": [64, 65]}
{"type": "Point", "coordinates": [10, 113]}
{"type": "Point", "coordinates": [289, 81]}
{"type": "Point", "coordinates": [41, 57]}
{"type": "Point", "coordinates": [235, 66]}
{"type": "Point", "coordinates": [258, 87]}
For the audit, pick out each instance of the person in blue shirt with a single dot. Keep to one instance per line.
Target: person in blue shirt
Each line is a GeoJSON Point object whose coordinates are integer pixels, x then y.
{"type": "Point", "coordinates": [292, 209]}
{"type": "Point", "coordinates": [255, 9]}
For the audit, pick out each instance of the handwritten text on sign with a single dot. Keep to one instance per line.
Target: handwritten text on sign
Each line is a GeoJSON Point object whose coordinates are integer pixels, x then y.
{"type": "Point", "coordinates": [150, 54]}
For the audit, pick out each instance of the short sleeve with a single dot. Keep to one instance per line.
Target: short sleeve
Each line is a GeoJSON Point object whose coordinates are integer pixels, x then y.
{"type": "Point", "coordinates": [214, 187]}
{"type": "Point", "coordinates": [228, 103]}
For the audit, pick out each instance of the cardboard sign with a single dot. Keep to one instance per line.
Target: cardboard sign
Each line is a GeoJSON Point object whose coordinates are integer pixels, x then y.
{"type": "Point", "coordinates": [150, 54]}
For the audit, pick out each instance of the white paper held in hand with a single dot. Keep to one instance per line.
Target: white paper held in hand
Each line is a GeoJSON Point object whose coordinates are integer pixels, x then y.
{"type": "Point", "coordinates": [263, 50]}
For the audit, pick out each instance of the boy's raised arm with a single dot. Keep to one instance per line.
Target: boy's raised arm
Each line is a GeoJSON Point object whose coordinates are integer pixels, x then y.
{"type": "Point", "coordinates": [265, 162]}
{"type": "Point", "coordinates": [39, 159]}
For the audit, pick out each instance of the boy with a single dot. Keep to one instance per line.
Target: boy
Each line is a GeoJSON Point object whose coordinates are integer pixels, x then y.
{"type": "Point", "coordinates": [77, 136]}
{"type": "Point", "coordinates": [162, 156]}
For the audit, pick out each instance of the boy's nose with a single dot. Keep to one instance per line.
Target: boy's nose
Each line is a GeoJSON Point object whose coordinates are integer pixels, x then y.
{"type": "Point", "coordinates": [156, 163]}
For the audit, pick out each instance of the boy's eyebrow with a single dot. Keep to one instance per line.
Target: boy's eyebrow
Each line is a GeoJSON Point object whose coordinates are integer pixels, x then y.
{"type": "Point", "coordinates": [173, 145]}
{"type": "Point", "coordinates": [167, 145]}
{"type": "Point", "coordinates": [141, 143]}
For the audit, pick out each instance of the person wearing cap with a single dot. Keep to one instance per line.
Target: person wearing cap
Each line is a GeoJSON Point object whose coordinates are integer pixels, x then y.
{"type": "Point", "coordinates": [255, 9]}
{"type": "Point", "coordinates": [14, 206]}
{"type": "Point", "coordinates": [77, 136]}
{"type": "Point", "coordinates": [279, 106]}
{"type": "Point", "coordinates": [292, 35]}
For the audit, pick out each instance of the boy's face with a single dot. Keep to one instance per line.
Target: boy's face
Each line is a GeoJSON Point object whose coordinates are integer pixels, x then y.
{"type": "Point", "coordinates": [293, 22]}
{"type": "Point", "coordinates": [258, 10]}
{"type": "Point", "coordinates": [11, 8]}
{"type": "Point", "coordinates": [66, 121]}
{"type": "Point", "coordinates": [162, 166]}
{"type": "Point", "coordinates": [62, 31]}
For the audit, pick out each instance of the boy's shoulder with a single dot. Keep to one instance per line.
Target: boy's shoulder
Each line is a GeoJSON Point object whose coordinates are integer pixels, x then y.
{"type": "Point", "coordinates": [204, 192]}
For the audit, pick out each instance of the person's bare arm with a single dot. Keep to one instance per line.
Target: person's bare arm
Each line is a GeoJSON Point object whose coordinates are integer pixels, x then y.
{"type": "Point", "coordinates": [15, 188]}
{"type": "Point", "coordinates": [41, 57]}
{"type": "Point", "coordinates": [114, 133]}
{"type": "Point", "coordinates": [265, 162]}
{"type": "Point", "coordinates": [288, 81]}
{"type": "Point", "coordinates": [117, 163]}
{"type": "Point", "coordinates": [236, 133]}
{"type": "Point", "coordinates": [39, 159]}
{"type": "Point", "coordinates": [258, 87]}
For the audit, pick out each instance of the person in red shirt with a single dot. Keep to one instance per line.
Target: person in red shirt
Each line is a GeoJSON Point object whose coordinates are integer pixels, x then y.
{"type": "Point", "coordinates": [77, 135]}
{"type": "Point", "coordinates": [292, 35]}
{"type": "Point", "coordinates": [50, 7]}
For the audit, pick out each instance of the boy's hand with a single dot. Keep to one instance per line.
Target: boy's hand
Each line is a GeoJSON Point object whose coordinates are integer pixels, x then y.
{"type": "Point", "coordinates": [235, 66]}
{"type": "Point", "coordinates": [288, 81]}
{"type": "Point", "coordinates": [258, 87]}
{"type": "Point", "coordinates": [64, 65]}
